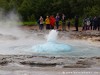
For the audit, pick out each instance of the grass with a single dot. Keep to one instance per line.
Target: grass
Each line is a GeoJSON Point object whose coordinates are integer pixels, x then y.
{"type": "Point", "coordinates": [34, 23]}
{"type": "Point", "coordinates": [29, 23]}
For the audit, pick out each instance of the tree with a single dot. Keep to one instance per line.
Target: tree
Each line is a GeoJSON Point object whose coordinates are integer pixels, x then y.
{"type": "Point", "coordinates": [30, 9]}
{"type": "Point", "coordinates": [25, 9]}
{"type": "Point", "coordinates": [4, 4]}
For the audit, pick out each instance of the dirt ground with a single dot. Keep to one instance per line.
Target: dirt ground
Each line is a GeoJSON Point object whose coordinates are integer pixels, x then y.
{"type": "Point", "coordinates": [37, 28]}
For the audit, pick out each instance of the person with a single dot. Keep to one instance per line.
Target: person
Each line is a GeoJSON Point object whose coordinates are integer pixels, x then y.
{"type": "Point", "coordinates": [68, 24]}
{"type": "Point", "coordinates": [91, 24]}
{"type": "Point", "coordinates": [52, 22]}
{"type": "Point", "coordinates": [99, 23]}
{"type": "Point", "coordinates": [63, 22]}
{"type": "Point", "coordinates": [95, 23]}
{"type": "Point", "coordinates": [84, 23]}
{"type": "Point", "coordinates": [76, 22]}
{"type": "Point", "coordinates": [57, 21]}
{"type": "Point", "coordinates": [88, 24]}
{"type": "Point", "coordinates": [47, 22]}
{"type": "Point", "coordinates": [41, 23]}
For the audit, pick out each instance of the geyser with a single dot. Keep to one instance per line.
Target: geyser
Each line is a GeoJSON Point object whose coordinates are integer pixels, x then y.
{"type": "Point", "coordinates": [51, 45]}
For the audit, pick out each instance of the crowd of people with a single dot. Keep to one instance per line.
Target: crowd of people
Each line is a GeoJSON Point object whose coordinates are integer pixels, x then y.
{"type": "Point", "coordinates": [91, 23]}
{"type": "Point", "coordinates": [52, 22]}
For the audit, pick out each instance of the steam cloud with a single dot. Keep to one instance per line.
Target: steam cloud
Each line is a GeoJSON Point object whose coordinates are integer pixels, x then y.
{"type": "Point", "coordinates": [9, 23]}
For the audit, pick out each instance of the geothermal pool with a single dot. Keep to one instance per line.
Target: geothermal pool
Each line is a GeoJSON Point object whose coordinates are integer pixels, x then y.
{"type": "Point", "coordinates": [23, 43]}
{"type": "Point", "coordinates": [52, 46]}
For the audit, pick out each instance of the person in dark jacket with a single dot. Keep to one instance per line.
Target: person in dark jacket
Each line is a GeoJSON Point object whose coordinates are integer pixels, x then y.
{"type": "Point", "coordinates": [91, 24]}
{"type": "Point", "coordinates": [57, 21]}
{"type": "Point", "coordinates": [95, 23]}
{"type": "Point", "coordinates": [98, 23]}
{"type": "Point", "coordinates": [76, 22]}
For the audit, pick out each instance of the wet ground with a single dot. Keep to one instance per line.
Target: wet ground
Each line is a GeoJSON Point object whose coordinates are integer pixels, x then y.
{"type": "Point", "coordinates": [44, 65]}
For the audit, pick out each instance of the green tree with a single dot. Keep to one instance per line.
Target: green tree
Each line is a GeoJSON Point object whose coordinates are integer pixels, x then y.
{"type": "Point", "coordinates": [25, 9]}
{"type": "Point", "coordinates": [32, 9]}
{"type": "Point", "coordinates": [4, 4]}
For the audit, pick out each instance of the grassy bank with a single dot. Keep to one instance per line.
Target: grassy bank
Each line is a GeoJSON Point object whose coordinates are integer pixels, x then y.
{"type": "Point", "coordinates": [28, 23]}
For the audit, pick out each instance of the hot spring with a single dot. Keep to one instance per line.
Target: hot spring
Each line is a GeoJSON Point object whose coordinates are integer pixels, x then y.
{"type": "Point", "coordinates": [35, 43]}
{"type": "Point", "coordinates": [52, 46]}
{"type": "Point", "coordinates": [17, 41]}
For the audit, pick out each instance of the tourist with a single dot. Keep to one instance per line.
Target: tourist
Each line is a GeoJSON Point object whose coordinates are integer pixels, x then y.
{"type": "Point", "coordinates": [76, 22]}
{"type": "Point", "coordinates": [95, 22]}
{"type": "Point", "coordinates": [47, 22]}
{"type": "Point", "coordinates": [91, 24]}
{"type": "Point", "coordinates": [52, 21]}
{"type": "Point", "coordinates": [57, 21]}
{"type": "Point", "coordinates": [84, 23]}
{"type": "Point", "coordinates": [88, 24]}
{"type": "Point", "coordinates": [99, 23]}
{"type": "Point", "coordinates": [63, 22]}
{"type": "Point", "coordinates": [41, 23]}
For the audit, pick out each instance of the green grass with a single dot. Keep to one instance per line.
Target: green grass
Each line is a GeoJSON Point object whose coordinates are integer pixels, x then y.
{"type": "Point", "coordinates": [29, 23]}
{"type": "Point", "coordinates": [34, 23]}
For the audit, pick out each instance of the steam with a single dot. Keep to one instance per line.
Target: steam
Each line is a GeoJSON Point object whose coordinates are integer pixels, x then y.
{"type": "Point", "coordinates": [9, 23]}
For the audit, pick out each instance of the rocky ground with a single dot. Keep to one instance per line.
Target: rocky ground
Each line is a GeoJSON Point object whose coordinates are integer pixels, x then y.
{"type": "Point", "coordinates": [85, 35]}
{"type": "Point", "coordinates": [48, 65]}
{"type": "Point", "coordinates": [50, 61]}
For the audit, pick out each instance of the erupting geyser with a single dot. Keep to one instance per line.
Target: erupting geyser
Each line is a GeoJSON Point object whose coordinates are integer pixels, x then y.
{"type": "Point", "coordinates": [51, 45]}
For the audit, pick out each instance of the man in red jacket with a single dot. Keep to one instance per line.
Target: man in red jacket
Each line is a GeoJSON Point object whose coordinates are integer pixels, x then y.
{"type": "Point", "coordinates": [52, 21]}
